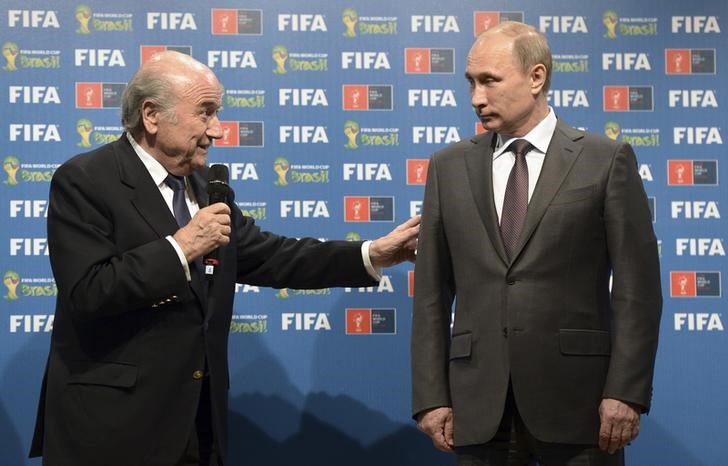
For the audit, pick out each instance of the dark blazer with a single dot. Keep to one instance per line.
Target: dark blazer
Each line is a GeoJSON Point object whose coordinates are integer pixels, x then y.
{"type": "Point", "coordinates": [130, 333]}
{"type": "Point", "coordinates": [546, 319]}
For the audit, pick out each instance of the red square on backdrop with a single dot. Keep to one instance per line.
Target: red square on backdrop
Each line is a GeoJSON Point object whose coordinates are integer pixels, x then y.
{"type": "Point", "coordinates": [616, 98]}
{"type": "Point", "coordinates": [356, 208]}
{"type": "Point", "coordinates": [224, 21]}
{"type": "Point", "coordinates": [356, 97]}
{"type": "Point", "coordinates": [230, 135]}
{"type": "Point", "coordinates": [89, 95]}
{"type": "Point", "coordinates": [680, 172]}
{"type": "Point", "coordinates": [484, 20]}
{"type": "Point", "coordinates": [417, 61]}
{"type": "Point", "coordinates": [417, 171]}
{"type": "Point", "coordinates": [677, 61]}
{"type": "Point", "coordinates": [358, 321]}
{"type": "Point", "coordinates": [682, 284]}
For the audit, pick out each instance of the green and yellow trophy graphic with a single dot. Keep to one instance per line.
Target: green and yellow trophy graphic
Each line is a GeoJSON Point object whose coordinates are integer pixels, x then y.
{"type": "Point", "coordinates": [10, 52]}
{"type": "Point", "coordinates": [280, 55]}
{"type": "Point", "coordinates": [84, 127]}
{"type": "Point", "coordinates": [83, 16]}
{"type": "Point", "coordinates": [612, 130]}
{"type": "Point", "coordinates": [282, 293]}
{"type": "Point", "coordinates": [610, 20]}
{"type": "Point", "coordinates": [352, 236]}
{"type": "Point", "coordinates": [11, 279]}
{"type": "Point", "coordinates": [11, 165]}
{"type": "Point", "coordinates": [350, 18]}
{"type": "Point", "coordinates": [351, 130]}
{"type": "Point", "coordinates": [281, 166]}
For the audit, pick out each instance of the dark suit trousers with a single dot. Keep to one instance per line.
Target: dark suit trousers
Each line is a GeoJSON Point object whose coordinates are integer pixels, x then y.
{"type": "Point", "coordinates": [200, 449]}
{"type": "Point", "coordinates": [513, 445]}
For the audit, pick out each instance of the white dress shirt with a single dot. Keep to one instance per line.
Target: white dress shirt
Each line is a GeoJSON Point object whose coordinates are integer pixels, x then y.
{"type": "Point", "coordinates": [504, 158]}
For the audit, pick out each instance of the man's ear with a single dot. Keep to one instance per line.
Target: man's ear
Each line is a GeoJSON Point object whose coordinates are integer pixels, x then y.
{"type": "Point", "coordinates": [538, 78]}
{"type": "Point", "coordinates": [150, 117]}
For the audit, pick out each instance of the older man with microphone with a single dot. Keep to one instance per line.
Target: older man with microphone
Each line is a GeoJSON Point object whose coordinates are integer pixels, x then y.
{"type": "Point", "coordinates": [137, 372]}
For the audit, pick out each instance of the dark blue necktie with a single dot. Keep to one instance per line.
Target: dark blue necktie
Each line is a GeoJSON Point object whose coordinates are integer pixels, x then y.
{"type": "Point", "coordinates": [515, 202]}
{"type": "Point", "coordinates": [179, 203]}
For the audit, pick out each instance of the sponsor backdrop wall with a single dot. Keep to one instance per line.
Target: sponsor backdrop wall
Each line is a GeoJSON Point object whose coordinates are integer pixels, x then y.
{"type": "Point", "coordinates": [331, 112]}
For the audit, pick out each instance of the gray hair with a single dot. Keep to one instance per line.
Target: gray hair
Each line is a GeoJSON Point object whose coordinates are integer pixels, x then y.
{"type": "Point", "coordinates": [146, 85]}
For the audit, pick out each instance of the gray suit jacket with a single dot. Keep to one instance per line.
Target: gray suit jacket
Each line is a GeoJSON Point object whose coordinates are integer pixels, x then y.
{"type": "Point", "coordinates": [546, 319]}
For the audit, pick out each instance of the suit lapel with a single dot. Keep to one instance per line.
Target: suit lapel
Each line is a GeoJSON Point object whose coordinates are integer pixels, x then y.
{"type": "Point", "coordinates": [479, 163]}
{"type": "Point", "coordinates": [563, 151]}
{"type": "Point", "coordinates": [144, 193]}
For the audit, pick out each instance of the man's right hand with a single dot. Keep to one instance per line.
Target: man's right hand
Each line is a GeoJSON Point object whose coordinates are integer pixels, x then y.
{"type": "Point", "coordinates": [208, 230]}
{"type": "Point", "coordinates": [437, 423]}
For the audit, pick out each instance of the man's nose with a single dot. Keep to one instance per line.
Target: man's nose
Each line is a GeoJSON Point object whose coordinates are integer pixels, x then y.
{"type": "Point", "coordinates": [214, 128]}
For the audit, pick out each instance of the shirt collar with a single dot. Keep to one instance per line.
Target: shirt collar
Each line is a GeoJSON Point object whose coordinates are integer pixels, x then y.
{"type": "Point", "coordinates": [155, 169]}
{"type": "Point", "coordinates": [539, 137]}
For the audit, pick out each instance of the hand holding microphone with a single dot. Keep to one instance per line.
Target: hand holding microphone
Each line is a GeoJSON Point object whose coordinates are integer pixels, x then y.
{"type": "Point", "coordinates": [210, 227]}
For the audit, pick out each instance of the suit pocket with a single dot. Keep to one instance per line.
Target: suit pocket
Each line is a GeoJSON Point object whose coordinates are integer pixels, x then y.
{"type": "Point", "coordinates": [460, 346]}
{"type": "Point", "coordinates": [574, 195]}
{"type": "Point", "coordinates": [110, 374]}
{"type": "Point", "coordinates": [585, 342]}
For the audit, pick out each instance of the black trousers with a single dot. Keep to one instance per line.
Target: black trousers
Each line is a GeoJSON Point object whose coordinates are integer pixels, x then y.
{"type": "Point", "coordinates": [513, 445]}
{"type": "Point", "coordinates": [200, 449]}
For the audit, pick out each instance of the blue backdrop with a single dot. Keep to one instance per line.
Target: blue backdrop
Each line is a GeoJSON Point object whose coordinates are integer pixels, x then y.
{"type": "Point", "coordinates": [331, 112]}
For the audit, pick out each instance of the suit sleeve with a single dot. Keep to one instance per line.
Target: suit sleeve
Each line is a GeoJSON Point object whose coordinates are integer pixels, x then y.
{"type": "Point", "coordinates": [93, 275]}
{"type": "Point", "coordinates": [636, 289]}
{"type": "Point", "coordinates": [267, 259]}
{"type": "Point", "coordinates": [434, 294]}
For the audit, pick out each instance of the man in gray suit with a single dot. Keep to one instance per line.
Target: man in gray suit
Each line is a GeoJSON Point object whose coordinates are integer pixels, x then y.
{"type": "Point", "coordinates": [541, 360]}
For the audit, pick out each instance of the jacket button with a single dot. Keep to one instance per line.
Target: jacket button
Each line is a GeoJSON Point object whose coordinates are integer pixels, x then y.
{"type": "Point", "coordinates": [197, 375]}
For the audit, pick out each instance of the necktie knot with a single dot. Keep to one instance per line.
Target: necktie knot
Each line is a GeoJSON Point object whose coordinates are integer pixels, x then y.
{"type": "Point", "coordinates": [520, 147]}
{"type": "Point", "coordinates": [177, 183]}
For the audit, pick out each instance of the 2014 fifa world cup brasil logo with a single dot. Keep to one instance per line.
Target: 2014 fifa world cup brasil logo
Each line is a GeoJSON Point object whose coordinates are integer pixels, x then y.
{"type": "Point", "coordinates": [11, 279]}
{"type": "Point", "coordinates": [352, 236]}
{"type": "Point", "coordinates": [10, 52]}
{"type": "Point", "coordinates": [11, 165]}
{"type": "Point", "coordinates": [612, 130]}
{"type": "Point", "coordinates": [84, 127]}
{"type": "Point", "coordinates": [83, 16]}
{"type": "Point", "coordinates": [610, 20]}
{"type": "Point", "coordinates": [350, 18]}
{"type": "Point", "coordinates": [281, 166]}
{"type": "Point", "coordinates": [280, 55]}
{"type": "Point", "coordinates": [351, 130]}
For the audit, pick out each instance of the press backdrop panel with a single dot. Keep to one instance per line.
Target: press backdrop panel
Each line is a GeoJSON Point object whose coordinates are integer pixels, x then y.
{"type": "Point", "coordinates": [332, 110]}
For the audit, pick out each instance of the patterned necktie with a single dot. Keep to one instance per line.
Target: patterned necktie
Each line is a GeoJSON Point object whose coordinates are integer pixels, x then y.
{"type": "Point", "coordinates": [515, 202]}
{"type": "Point", "coordinates": [179, 204]}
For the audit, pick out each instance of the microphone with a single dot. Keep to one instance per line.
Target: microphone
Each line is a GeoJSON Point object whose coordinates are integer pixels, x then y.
{"type": "Point", "coordinates": [217, 190]}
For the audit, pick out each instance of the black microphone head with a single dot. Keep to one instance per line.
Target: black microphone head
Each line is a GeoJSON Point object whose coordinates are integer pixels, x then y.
{"type": "Point", "coordinates": [217, 182]}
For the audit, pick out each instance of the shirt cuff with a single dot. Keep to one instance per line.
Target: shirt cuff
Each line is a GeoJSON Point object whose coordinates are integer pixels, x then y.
{"type": "Point", "coordinates": [183, 259]}
{"type": "Point", "coordinates": [374, 272]}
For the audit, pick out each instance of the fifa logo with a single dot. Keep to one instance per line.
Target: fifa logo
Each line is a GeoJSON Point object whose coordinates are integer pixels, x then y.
{"type": "Point", "coordinates": [83, 16]}
{"type": "Point", "coordinates": [84, 128]}
{"type": "Point", "coordinates": [11, 279]}
{"type": "Point", "coordinates": [11, 165]}
{"type": "Point", "coordinates": [280, 55]}
{"type": "Point", "coordinates": [351, 130]}
{"type": "Point", "coordinates": [612, 130]}
{"type": "Point", "coordinates": [350, 18]}
{"type": "Point", "coordinates": [10, 52]}
{"type": "Point", "coordinates": [281, 166]}
{"type": "Point", "coordinates": [610, 20]}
